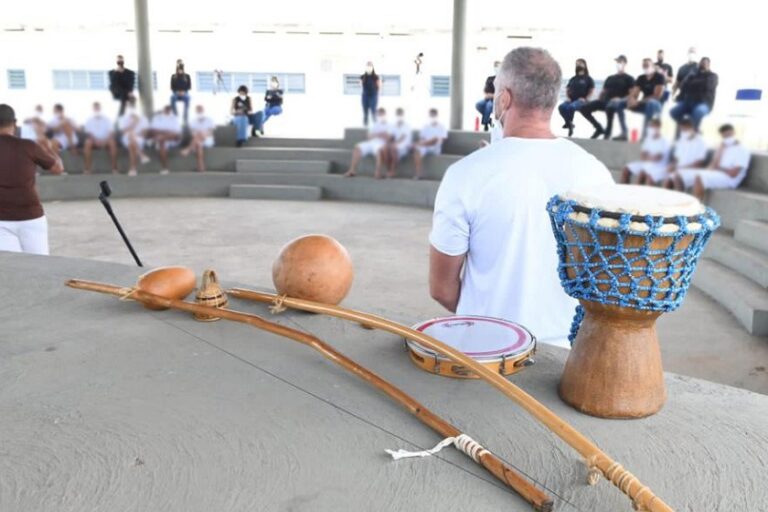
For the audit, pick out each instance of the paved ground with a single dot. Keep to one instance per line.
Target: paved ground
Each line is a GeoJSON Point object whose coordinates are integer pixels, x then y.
{"type": "Point", "coordinates": [389, 247]}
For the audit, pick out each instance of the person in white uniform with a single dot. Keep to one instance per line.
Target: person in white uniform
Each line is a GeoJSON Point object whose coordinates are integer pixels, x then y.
{"type": "Point", "coordinates": [430, 142]}
{"type": "Point", "coordinates": [34, 126]}
{"type": "Point", "coordinates": [400, 144]}
{"type": "Point", "coordinates": [690, 151]}
{"type": "Point", "coordinates": [63, 130]}
{"type": "Point", "coordinates": [654, 158]}
{"type": "Point", "coordinates": [99, 134]}
{"type": "Point", "coordinates": [166, 134]}
{"type": "Point", "coordinates": [378, 135]}
{"type": "Point", "coordinates": [492, 249]}
{"type": "Point", "coordinates": [133, 128]}
{"type": "Point", "coordinates": [201, 128]}
{"type": "Point", "coordinates": [727, 170]}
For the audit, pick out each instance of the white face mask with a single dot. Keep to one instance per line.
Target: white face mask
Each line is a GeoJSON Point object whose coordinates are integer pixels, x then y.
{"type": "Point", "coordinates": [649, 70]}
{"type": "Point", "coordinates": [729, 141]}
{"type": "Point", "coordinates": [130, 111]}
{"type": "Point", "coordinates": [243, 96]}
{"type": "Point", "coordinates": [619, 67]}
{"type": "Point", "coordinates": [497, 131]}
{"type": "Point", "coordinates": [496, 70]}
{"type": "Point", "coordinates": [381, 118]}
{"type": "Point", "coordinates": [274, 85]}
{"type": "Point", "coordinates": [691, 57]}
{"type": "Point", "coordinates": [96, 113]}
{"type": "Point", "coordinates": [369, 69]}
{"type": "Point", "coordinates": [400, 119]}
{"type": "Point", "coordinates": [653, 132]}
{"type": "Point", "coordinates": [433, 119]}
{"type": "Point", "coordinates": [686, 134]}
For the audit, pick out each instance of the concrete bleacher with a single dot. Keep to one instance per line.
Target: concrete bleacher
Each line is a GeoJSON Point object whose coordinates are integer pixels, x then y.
{"type": "Point", "coordinates": [734, 269]}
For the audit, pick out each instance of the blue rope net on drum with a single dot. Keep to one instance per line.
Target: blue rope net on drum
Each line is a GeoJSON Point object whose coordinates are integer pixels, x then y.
{"type": "Point", "coordinates": [639, 262]}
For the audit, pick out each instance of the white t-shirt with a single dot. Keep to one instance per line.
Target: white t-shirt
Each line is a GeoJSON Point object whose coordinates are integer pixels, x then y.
{"type": "Point", "coordinates": [204, 125]}
{"type": "Point", "coordinates": [126, 120]}
{"type": "Point", "coordinates": [432, 131]}
{"type": "Point", "coordinates": [491, 206]}
{"type": "Point", "coordinates": [56, 122]}
{"type": "Point", "coordinates": [736, 155]}
{"type": "Point", "coordinates": [656, 146]}
{"type": "Point", "coordinates": [689, 151]}
{"type": "Point", "coordinates": [380, 128]}
{"type": "Point", "coordinates": [402, 130]}
{"type": "Point", "coordinates": [166, 123]}
{"type": "Point", "coordinates": [99, 127]}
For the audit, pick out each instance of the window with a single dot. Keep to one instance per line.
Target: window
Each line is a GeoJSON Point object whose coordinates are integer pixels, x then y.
{"type": "Point", "coordinates": [17, 79]}
{"type": "Point", "coordinates": [440, 86]}
{"type": "Point", "coordinates": [390, 85]}
{"type": "Point", "coordinates": [86, 80]}
{"type": "Point", "coordinates": [210, 81]}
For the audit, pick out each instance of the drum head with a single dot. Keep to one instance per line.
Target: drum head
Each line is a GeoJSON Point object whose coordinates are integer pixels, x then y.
{"type": "Point", "coordinates": [482, 338]}
{"type": "Point", "coordinates": [637, 200]}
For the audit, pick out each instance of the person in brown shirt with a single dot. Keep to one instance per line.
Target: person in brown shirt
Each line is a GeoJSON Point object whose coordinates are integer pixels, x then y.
{"type": "Point", "coordinates": [23, 227]}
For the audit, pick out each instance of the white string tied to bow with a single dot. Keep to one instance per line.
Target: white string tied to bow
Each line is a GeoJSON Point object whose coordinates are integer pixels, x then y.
{"type": "Point", "coordinates": [462, 442]}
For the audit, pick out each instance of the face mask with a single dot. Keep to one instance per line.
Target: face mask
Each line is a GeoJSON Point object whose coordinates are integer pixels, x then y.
{"type": "Point", "coordinates": [619, 67]}
{"type": "Point", "coordinates": [400, 119]}
{"type": "Point", "coordinates": [433, 119]}
{"type": "Point", "coordinates": [130, 111]}
{"type": "Point", "coordinates": [97, 113]}
{"type": "Point", "coordinates": [686, 134]}
{"type": "Point", "coordinates": [243, 96]}
{"type": "Point", "coordinates": [496, 70]}
{"type": "Point", "coordinates": [369, 69]}
{"type": "Point", "coordinates": [274, 85]}
{"type": "Point", "coordinates": [653, 132]}
{"type": "Point", "coordinates": [381, 119]}
{"type": "Point", "coordinates": [691, 57]}
{"type": "Point", "coordinates": [649, 71]}
{"type": "Point", "coordinates": [729, 141]}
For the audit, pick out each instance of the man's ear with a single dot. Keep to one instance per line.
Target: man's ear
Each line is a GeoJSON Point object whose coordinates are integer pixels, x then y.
{"type": "Point", "coordinates": [505, 99]}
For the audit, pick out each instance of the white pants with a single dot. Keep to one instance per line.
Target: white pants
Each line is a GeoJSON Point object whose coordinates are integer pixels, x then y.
{"type": "Point", "coordinates": [370, 147]}
{"type": "Point", "coordinates": [711, 178]}
{"type": "Point", "coordinates": [429, 150]}
{"type": "Point", "coordinates": [656, 170]}
{"type": "Point", "coordinates": [30, 236]}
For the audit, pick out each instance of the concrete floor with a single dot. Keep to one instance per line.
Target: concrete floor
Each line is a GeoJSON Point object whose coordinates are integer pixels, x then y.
{"type": "Point", "coordinates": [389, 247]}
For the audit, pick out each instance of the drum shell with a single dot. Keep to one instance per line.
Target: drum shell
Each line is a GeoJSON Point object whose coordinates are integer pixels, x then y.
{"type": "Point", "coordinates": [447, 368]}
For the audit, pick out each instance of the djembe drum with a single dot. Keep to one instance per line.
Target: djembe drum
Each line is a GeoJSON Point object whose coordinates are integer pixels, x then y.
{"type": "Point", "coordinates": [627, 253]}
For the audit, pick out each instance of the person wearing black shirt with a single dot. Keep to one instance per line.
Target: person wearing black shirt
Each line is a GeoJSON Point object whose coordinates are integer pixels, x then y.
{"type": "Point", "coordinates": [686, 70]}
{"type": "Point", "coordinates": [121, 83]}
{"type": "Point", "coordinates": [698, 93]}
{"type": "Point", "coordinates": [273, 106]}
{"type": "Point", "coordinates": [613, 100]}
{"type": "Point", "coordinates": [666, 70]}
{"type": "Point", "coordinates": [371, 84]}
{"type": "Point", "coordinates": [577, 92]}
{"type": "Point", "coordinates": [241, 111]}
{"type": "Point", "coordinates": [651, 86]}
{"type": "Point", "coordinates": [181, 83]}
{"type": "Point", "coordinates": [485, 105]}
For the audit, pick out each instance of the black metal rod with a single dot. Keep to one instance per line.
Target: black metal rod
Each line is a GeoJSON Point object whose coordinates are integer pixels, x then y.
{"type": "Point", "coordinates": [103, 197]}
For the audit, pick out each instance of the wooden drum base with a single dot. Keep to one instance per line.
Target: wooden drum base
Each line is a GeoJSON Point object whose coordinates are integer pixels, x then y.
{"type": "Point", "coordinates": [614, 369]}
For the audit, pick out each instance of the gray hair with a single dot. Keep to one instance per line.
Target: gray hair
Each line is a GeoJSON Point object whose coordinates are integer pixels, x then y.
{"type": "Point", "coordinates": [533, 76]}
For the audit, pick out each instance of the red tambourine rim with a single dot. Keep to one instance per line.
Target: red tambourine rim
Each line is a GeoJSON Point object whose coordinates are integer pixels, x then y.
{"type": "Point", "coordinates": [522, 334]}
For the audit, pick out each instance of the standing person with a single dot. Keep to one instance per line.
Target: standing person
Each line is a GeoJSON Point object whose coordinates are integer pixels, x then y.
{"type": "Point", "coordinates": [577, 92]}
{"type": "Point", "coordinates": [23, 227]}
{"type": "Point", "coordinates": [273, 106]}
{"type": "Point", "coordinates": [371, 83]}
{"type": "Point", "coordinates": [665, 69]}
{"type": "Point", "coordinates": [379, 135]}
{"type": "Point", "coordinates": [166, 133]}
{"type": "Point", "coordinates": [121, 83]}
{"type": "Point", "coordinates": [613, 100]}
{"type": "Point", "coordinates": [492, 250]}
{"type": "Point", "coordinates": [241, 111]}
{"type": "Point", "coordinates": [698, 92]}
{"type": "Point", "coordinates": [430, 142]}
{"type": "Point", "coordinates": [201, 129]}
{"type": "Point", "coordinates": [99, 135]}
{"type": "Point", "coordinates": [181, 83]}
{"type": "Point", "coordinates": [134, 129]}
{"type": "Point", "coordinates": [485, 105]}
{"type": "Point", "coordinates": [63, 130]}
{"type": "Point", "coordinates": [400, 144]}
{"type": "Point", "coordinates": [651, 85]}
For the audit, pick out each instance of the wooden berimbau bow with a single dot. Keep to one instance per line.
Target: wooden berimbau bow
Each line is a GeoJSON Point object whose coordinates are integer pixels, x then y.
{"type": "Point", "coordinates": [598, 462]}
{"type": "Point", "coordinates": [466, 445]}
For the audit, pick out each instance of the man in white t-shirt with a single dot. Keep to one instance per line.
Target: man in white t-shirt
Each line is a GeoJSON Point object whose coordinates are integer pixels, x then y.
{"type": "Point", "coordinates": [378, 135]}
{"type": "Point", "coordinates": [63, 130]}
{"type": "Point", "coordinates": [400, 144]}
{"type": "Point", "coordinates": [430, 142]}
{"type": "Point", "coordinates": [690, 150]}
{"type": "Point", "coordinates": [99, 134]}
{"type": "Point", "coordinates": [166, 134]}
{"type": "Point", "coordinates": [134, 128]}
{"type": "Point", "coordinates": [490, 213]}
{"type": "Point", "coordinates": [34, 126]}
{"type": "Point", "coordinates": [727, 169]}
{"type": "Point", "coordinates": [201, 129]}
{"type": "Point", "coordinates": [654, 158]}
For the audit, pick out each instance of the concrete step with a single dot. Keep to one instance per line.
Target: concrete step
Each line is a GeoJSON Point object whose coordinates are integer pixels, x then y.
{"type": "Point", "coordinates": [757, 177]}
{"type": "Point", "coordinates": [737, 256]}
{"type": "Point", "coordinates": [753, 233]}
{"type": "Point", "coordinates": [285, 142]}
{"type": "Point", "coordinates": [745, 299]}
{"type": "Point", "coordinates": [736, 205]}
{"type": "Point", "coordinates": [284, 192]}
{"type": "Point", "coordinates": [300, 166]}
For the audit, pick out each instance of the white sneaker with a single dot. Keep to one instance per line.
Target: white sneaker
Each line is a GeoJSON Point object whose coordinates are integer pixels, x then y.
{"type": "Point", "coordinates": [144, 159]}
{"type": "Point", "coordinates": [133, 172]}
{"type": "Point", "coordinates": [165, 171]}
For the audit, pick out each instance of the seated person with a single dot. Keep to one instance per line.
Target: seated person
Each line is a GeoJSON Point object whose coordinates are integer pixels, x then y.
{"type": "Point", "coordinates": [652, 166]}
{"type": "Point", "coordinates": [378, 135]}
{"type": "Point", "coordinates": [34, 127]}
{"type": "Point", "coordinates": [651, 85]}
{"type": "Point", "coordinates": [485, 105]}
{"type": "Point", "coordinates": [273, 106]}
{"type": "Point", "coordinates": [430, 141]}
{"type": "Point", "coordinates": [697, 94]}
{"type": "Point", "coordinates": [166, 134]}
{"type": "Point", "coordinates": [400, 144]}
{"type": "Point", "coordinates": [727, 169]}
{"type": "Point", "coordinates": [690, 149]}
{"type": "Point", "coordinates": [201, 128]}
{"type": "Point", "coordinates": [99, 135]}
{"type": "Point", "coordinates": [613, 99]}
{"type": "Point", "coordinates": [242, 114]}
{"type": "Point", "coordinates": [577, 92]}
{"type": "Point", "coordinates": [63, 130]}
{"type": "Point", "coordinates": [134, 129]}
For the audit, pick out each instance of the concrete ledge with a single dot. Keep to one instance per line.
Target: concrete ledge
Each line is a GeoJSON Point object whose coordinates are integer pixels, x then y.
{"type": "Point", "coordinates": [300, 166]}
{"type": "Point", "coordinates": [736, 205]}
{"type": "Point", "coordinates": [283, 192]}
{"type": "Point", "coordinates": [746, 300]}
{"type": "Point", "coordinates": [737, 256]}
{"type": "Point", "coordinates": [753, 233]}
